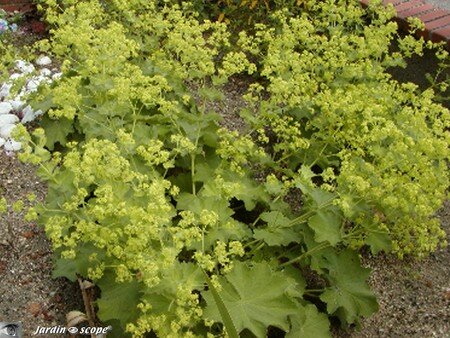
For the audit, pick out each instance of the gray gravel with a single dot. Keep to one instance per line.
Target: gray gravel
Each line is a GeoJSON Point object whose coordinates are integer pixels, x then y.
{"type": "Point", "coordinates": [414, 296]}
{"type": "Point", "coordinates": [444, 4]}
{"type": "Point", "coordinates": [28, 293]}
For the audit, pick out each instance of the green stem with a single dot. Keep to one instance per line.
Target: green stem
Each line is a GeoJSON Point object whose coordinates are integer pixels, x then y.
{"type": "Point", "coordinates": [307, 253]}
{"type": "Point", "coordinates": [303, 218]}
{"type": "Point", "coordinates": [257, 248]}
{"type": "Point", "coordinates": [193, 173]}
{"type": "Point", "coordinates": [252, 242]}
{"type": "Point", "coordinates": [313, 290]}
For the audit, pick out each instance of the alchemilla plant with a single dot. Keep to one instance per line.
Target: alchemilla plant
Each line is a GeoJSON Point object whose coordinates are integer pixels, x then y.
{"type": "Point", "coordinates": [194, 230]}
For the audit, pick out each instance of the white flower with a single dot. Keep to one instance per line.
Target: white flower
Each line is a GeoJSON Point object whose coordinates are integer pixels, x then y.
{"type": "Point", "coordinates": [2, 141]}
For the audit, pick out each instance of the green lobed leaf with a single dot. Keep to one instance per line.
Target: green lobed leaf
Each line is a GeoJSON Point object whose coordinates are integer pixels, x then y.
{"type": "Point", "coordinates": [187, 274]}
{"type": "Point", "coordinates": [308, 322]}
{"type": "Point", "coordinates": [279, 230]}
{"type": "Point", "coordinates": [378, 242]}
{"type": "Point", "coordinates": [327, 226]}
{"type": "Point", "coordinates": [69, 268]}
{"type": "Point", "coordinates": [115, 296]}
{"type": "Point", "coordinates": [56, 131]}
{"type": "Point", "coordinates": [349, 295]}
{"type": "Point", "coordinates": [255, 297]}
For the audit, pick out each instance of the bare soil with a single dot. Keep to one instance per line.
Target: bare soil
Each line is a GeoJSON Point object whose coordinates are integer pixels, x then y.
{"type": "Point", "coordinates": [28, 293]}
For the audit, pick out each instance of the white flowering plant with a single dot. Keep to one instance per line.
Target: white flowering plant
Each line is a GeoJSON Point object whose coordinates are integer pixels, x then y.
{"type": "Point", "coordinates": [193, 230]}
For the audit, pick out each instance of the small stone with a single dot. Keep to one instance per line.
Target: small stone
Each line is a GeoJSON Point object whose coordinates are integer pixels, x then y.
{"type": "Point", "coordinates": [15, 76]}
{"type": "Point", "coordinates": [6, 130]}
{"type": "Point", "coordinates": [24, 67]}
{"type": "Point", "coordinates": [3, 26]}
{"type": "Point", "coordinates": [43, 60]}
{"type": "Point", "coordinates": [5, 108]}
{"type": "Point", "coordinates": [46, 72]}
{"type": "Point", "coordinates": [28, 114]}
{"type": "Point", "coordinates": [32, 85]}
{"type": "Point", "coordinates": [35, 82]}
{"type": "Point", "coordinates": [38, 113]}
{"type": "Point", "coordinates": [5, 89]}
{"type": "Point", "coordinates": [16, 103]}
{"type": "Point", "coordinates": [12, 145]}
{"type": "Point", "coordinates": [8, 119]}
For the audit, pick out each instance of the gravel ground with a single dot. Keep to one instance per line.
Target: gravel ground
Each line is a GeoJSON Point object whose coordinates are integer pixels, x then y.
{"type": "Point", "coordinates": [414, 296]}
{"type": "Point", "coordinates": [444, 4]}
{"type": "Point", "coordinates": [28, 293]}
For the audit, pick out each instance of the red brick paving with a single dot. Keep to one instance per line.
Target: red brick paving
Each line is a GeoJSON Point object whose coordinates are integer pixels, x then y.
{"type": "Point", "coordinates": [437, 21]}
{"type": "Point", "coordinates": [18, 5]}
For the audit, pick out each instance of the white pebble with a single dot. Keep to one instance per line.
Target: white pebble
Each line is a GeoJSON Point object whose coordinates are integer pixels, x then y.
{"type": "Point", "coordinates": [24, 67]}
{"type": "Point", "coordinates": [16, 103]}
{"type": "Point", "coordinates": [2, 141]}
{"type": "Point", "coordinates": [35, 82]}
{"type": "Point", "coordinates": [32, 85]}
{"type": "Point", "coordinates": [8, 119]}
{"type": "Point", "coordinates": [11, 145]}
{"type": "Point", "coordinates": [6, 130]}
{"type": "Point", "coordinates": [15, 76]}
{"type": "Point", "coordinates": [38, 113]}
{"type": "Point", "coordinates": [43, 61]}
{"type": "Point", "coordinates": [5, 89]}
{"type": "Point", "coordinates": [46, 72]}
{"type": "Point", "coordinates": [5, 108]}
{"type": "Point", "coordinates": [28, 114]}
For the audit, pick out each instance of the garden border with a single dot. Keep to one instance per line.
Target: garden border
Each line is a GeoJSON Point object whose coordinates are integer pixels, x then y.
{"type": "Point", "coordinates": [17, 5]}
{"type": "Point", "coordinates": [436, 20]}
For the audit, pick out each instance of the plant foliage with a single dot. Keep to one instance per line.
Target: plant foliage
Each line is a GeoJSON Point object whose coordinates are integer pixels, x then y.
{"type": "Point", "coordinates": [201, 230]}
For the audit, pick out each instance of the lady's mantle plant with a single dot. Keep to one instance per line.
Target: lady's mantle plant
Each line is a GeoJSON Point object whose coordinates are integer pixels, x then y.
{"type": "Point", "coordinates": [193, 230]}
